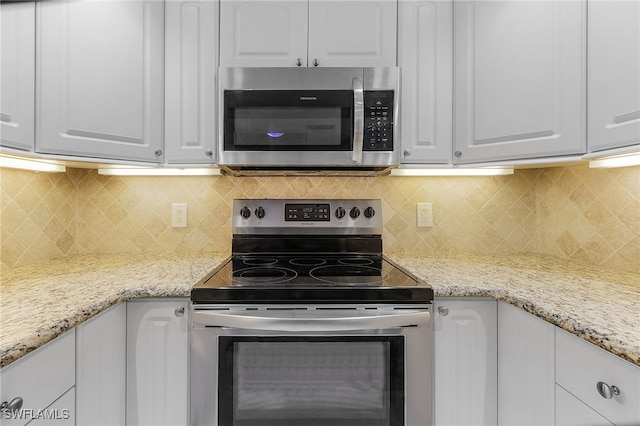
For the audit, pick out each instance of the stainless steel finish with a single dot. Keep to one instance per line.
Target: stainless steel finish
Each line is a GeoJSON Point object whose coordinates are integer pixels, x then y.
{"type": "Point", "coordinates": [158, 152]}
{"type": "Point", "coordinates": [204, 356]}
{"type": "Point", "coordinates": [318, 163]}
{"type": "Point", "coordinates": [358, 120]}
{"type": "Point", "coordinates": [458, 154]}
{"type": "Point", "coordinates": [13, 406]}
{"type": "Point", "coordinates": [607, 391]}
{"type": "Point", "coordinates": [245, 222]}
{"type": "Point", "coordinates": [179, 312]}
{"type": "Point", "coordinates": [312, 320]}
{"type": "Point", "coordinates": [406, 152]}
{"type": "Point", "coordinates": [443, 310]}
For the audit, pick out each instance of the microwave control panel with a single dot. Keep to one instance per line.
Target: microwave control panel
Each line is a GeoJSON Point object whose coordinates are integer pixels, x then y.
{"type": "Point", "coordinates": [378, 120]}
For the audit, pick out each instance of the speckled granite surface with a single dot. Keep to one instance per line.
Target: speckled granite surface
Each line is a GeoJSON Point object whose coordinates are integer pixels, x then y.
{"type": "Point", "coordinates": [41, 301]}
{"type": "Point", "coordinates": [600, 305]}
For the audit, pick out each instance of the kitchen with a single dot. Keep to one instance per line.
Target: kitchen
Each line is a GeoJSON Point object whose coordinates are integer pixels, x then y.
{"type": "Point", "coordinates": [571, 212]}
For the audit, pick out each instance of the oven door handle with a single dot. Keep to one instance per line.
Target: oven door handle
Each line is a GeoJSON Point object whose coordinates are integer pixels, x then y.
{"type": "Point", "coordinates": [300, 324]}
{"type": "Point", "coordinates": [358, 120]}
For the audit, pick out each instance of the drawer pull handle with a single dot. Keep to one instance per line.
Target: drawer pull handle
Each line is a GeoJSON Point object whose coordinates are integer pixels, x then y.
{"type": "Point", "coordinates": [13, 406]}
{"type": "Point", "coordinates": [179, 312]}
{"type": "Point", "coordinates": [607, 391]}
{"type": "Point", "coordinates": [443, 310]}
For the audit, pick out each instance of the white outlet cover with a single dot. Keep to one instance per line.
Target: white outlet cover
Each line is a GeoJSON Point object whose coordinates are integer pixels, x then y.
{"type": "Point", "coordinates": [179, 215]}
{"type": "Point", "coordinates": [424, 214]}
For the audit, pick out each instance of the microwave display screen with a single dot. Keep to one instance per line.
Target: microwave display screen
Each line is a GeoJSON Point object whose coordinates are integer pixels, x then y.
{"type": "Point", "coordinates": [287, 126]}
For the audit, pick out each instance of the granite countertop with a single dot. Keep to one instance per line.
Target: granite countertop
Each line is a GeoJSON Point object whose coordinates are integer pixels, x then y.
{"type": "Point", "coordinates": [41, 301]}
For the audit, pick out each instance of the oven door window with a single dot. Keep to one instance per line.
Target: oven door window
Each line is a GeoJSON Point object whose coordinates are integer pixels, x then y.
{"type": "Point", "coordinates": [276, 120]}
{"type": "Point", "coordinates": [324, 381]}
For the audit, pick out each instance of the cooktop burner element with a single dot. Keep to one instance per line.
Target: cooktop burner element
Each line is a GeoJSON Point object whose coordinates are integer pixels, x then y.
{"type": "Point", "coordinates": [308, 251]}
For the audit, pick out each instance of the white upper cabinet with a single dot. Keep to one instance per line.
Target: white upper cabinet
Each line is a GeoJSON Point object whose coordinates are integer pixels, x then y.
{"type": "Point", "coordinates": [520, 79]}
{"type": "Point", "coordinates": [289, 33]}
{"type": "Point", "coordinates": [352, 33]}
{"type": "Point", "coordinates": [614, 74]}
{"type": "Point", "coordinates": [191, 61]}
{"type": "Point", "coordinates": [100, 79]}
{"type": "Point", "coordinates": [17, 69]}
{"type": "Point", "coordinates": [425, 58]}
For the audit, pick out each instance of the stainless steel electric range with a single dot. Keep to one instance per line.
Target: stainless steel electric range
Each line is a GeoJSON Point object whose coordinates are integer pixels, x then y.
{"type": "Point", "coordinates": [308, 323]}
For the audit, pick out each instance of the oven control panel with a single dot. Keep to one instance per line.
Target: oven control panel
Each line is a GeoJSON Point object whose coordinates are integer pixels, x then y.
{"type": "Point", "coordinates": [280, 216]}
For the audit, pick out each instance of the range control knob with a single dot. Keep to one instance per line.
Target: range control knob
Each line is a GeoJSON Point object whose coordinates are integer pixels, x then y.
{"type": "Point", "coordinates": [340, 212]}
{"type": "Point", "coordinates": [354, 213]}
{"type": "Point", "coordinates": [369, 212]}
{"type": "Point", "coordinates": [260, 212]}
{"type": "Point", "coordinates": [245, 212]}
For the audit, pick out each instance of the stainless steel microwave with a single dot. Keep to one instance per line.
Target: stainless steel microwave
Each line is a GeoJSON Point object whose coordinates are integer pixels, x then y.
{"type": "Point", "coordinates": [308, 119]}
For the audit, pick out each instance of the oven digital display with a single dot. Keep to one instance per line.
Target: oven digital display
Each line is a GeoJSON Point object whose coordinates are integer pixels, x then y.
{"type": "Point", "coordinates": [306, 212]}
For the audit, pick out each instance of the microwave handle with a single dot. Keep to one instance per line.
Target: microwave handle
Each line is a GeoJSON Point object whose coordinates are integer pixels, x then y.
{"type": "Point", "coordinates": [358, 120]}
{"type": "Point", "coordinates": [302, 325]}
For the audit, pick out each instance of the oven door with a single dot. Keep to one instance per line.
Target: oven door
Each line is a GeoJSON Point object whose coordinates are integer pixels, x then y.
{"type": "Point", "coordinates": [293, 367]}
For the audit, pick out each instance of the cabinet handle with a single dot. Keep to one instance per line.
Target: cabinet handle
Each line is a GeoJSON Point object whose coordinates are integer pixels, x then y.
{"type": "Point", "coordinates": [607, 391]}
{"type": "Point", "coordinates": [299, 62]}
{"type": "Point", "coordinates": [458, 154]}
{"type": "Point", "coordinates": [179, 312]}
{"type": "Point", "coordinates": [406, 152]}
{"type": "Point", "coordinates": [208, 153]}
{"type": "Point", "coordinates": [443, 310]}
{"type": "Point", "coordinates": [13, 406]}
{"type": "Point", "coordinates": [158, 152]}
{"type": "Point", "coordinates": [315, 62]}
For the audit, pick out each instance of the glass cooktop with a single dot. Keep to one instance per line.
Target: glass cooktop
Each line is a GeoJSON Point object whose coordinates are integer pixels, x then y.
{"type": "Point", "coordinates": [308, 278]}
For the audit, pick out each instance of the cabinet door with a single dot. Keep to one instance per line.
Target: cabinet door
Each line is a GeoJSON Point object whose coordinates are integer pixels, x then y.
{"type": "Point", "coordinates": [100, 78]}
{"type": "Point", "coordinates": [101, 356]}
{"type": "Point", "coordinates": [157, 362]}
{"type": "Point", "coordinates": [425, 59]}
{"type": "Point", "coordinates": [17, 75]}
{"type": "Point", "coordinates": [520, 79]}
{"type": "Point", "coordinates": [570, 411]}
{"type": "Point", "coordinates": [61, 412]}
{"type": "Point", "coordinates": [614, 67]}
{"type": "Point", "coordinates": [39, 378]}
{"type": "Point", "coordinates": [263, 33]}
{"type": "Point", "coordinates": [526, 368]}
{"type": "Point", "coordinates": [352, 33]}
{"type": "Point", "coordinates": [191, 62]}
{"type": "Point", "coordinates": [465, 362]}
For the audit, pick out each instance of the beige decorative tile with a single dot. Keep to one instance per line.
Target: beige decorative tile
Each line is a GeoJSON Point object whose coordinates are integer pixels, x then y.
{"type": "Point", "coordinates": [570, 212]}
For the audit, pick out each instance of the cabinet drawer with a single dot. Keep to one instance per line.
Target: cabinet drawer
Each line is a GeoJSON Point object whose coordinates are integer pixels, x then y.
{"type": "Point", "coordinates": [41, 377]}
{"type": "Point", "coordinates": [581, 365]}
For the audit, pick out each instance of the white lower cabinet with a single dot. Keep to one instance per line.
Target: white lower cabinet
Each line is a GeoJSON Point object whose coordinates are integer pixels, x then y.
{"type": "Point", "coordinates": [101, 368]}
{"type": "Point", "coordinates": [40, 379]}
{"type": "Point", "coordinates": [526, 373]}
{"type": "Point", "coordinates": [606, 383]}
{"type": "Point", "coordinates": [157, 362]}
{"type": "Point", "coordinates": [571, 411]}
{"type": "Point", "coordinates": [61, 412]}
{"type": "Point", "coordinates": [466, 374]}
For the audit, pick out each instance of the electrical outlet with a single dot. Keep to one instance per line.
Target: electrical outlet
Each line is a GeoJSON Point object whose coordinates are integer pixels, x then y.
{"type": "Point", "coordinates": [179, 215]}
{"type": "Point", "coordinates": [425, 214]}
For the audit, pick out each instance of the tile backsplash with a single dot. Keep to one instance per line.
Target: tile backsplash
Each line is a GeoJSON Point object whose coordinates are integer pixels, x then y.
{"type": "Point", "coordinates": [570, 212]}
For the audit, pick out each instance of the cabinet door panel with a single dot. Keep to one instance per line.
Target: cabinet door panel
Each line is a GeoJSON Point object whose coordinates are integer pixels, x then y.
{"type": "Point", "coordinates": [614, 67]}
{"type": "Point", "coordinates": [100, 84]}
{"type": "Point", "coordinates": [571, 411]}
{"type": "Point", "coordinates": [465, 362]}
{"type": "Point", "coordinates": [157, 362]}
{"type": "Point", "coordinates": [526, 368]}
{"type": "Point", "coordinates": [17, 75]}
{"type": "Point", "coordinates": [263, 33]}
{"type": "Point", "coordinates": [191, 60]}
{"type": "Point", "coordinates": [425, 59]}
{"type": "Point", "coordinates": [101, 368]}
{"type": "Point", "coordinates": [352, 33]}
{"type": "Point", "coordinates": [520, 79]}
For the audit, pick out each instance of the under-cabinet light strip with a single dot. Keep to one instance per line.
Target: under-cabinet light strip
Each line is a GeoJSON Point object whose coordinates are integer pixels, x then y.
{"type": "Point", "coordinates": [27, 164]}
{"type": "Point", "coordinates": [615, 161]}
{"type": "Point", "coordinates": [148, 171]}
{"type": "Point", "coordinates": [497, 171]}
